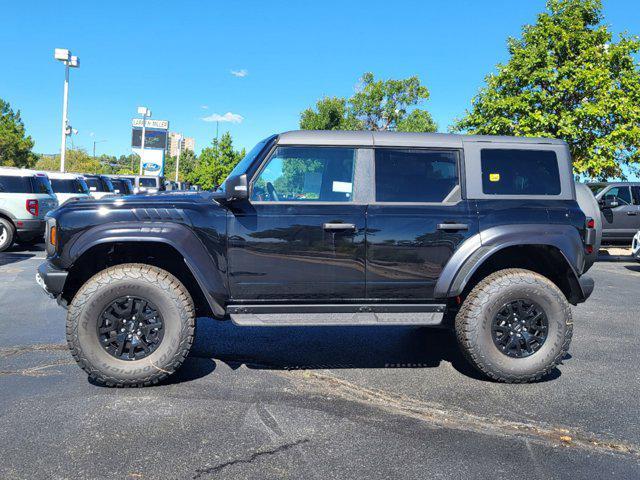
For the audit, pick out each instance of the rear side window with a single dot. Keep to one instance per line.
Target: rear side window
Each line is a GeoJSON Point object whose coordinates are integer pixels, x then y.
{"type": "Point", "coordinates": [415, 175]}
{"type": "Point", "coordinates": [68, 185]}
{"type": "Point", "coordinates": [519, 172]}
{"type": "Point", "coordinates": [148, 182]}
{"type": "Point", "coordinates": [11, 184]}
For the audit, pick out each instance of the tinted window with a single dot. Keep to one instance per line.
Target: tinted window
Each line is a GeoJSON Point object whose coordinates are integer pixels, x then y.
{"type": "Point", "coordinates": [306, 174]}
{"type": "Point", "coordinates": [71, 185]}
{"type": "Point", "coordinates": [519, 172]}
{"type": "Point", "coordinates": [148, 182]}
{"type": "Point", "coordinates": [636, 195]}
{"type": "Point", "coordinates": [93, 184]}
{"type": "Point", "coordinates": [622, 194]}
{"type": "Point", "coordinates": [415, 175]}
{"type": "Point", "coordinates": [11, 184]}
{"type": "Point", "coordinates": [41, 184]}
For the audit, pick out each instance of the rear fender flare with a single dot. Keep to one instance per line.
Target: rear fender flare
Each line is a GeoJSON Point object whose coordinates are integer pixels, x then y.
{"type": "Point", "coordinates": [477, 249]}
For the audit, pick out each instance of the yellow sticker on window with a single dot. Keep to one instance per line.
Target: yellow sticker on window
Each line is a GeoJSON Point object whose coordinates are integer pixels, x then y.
{"type": "Point", "coordinates": [494, 177]}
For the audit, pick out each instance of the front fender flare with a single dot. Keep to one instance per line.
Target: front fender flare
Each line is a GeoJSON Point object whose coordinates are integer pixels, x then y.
{"type": "Point", "coordinates": [209, 272]}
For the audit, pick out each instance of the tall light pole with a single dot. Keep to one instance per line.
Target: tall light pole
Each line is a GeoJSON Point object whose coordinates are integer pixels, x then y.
{"type": "Point", "coordinates": [63, 55]}
{"type": "Point", "coordinates": [178, 157]}
{"type": "Point", "coordinates": [94, 146]}
{"type": "Point", "coordinates": [145, 112]}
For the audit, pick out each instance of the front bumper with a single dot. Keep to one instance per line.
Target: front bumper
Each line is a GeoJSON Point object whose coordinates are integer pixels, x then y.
{"type": "Point", "coordinates": [51, 279]}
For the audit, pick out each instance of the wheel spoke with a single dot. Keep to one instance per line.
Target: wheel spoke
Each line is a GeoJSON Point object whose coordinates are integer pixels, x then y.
{"type": "Point", "coordinates": [519, 328]}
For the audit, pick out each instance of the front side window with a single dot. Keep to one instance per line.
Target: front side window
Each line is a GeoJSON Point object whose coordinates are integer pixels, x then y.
{"type": "Point", "coordinates": [306, 174]}
{"type": "Point", "coordinates": [621, 194]}
{"type": "Point", "coordinates": [415, 175]}
{"type": "Point", "coordinates": [519, 172]}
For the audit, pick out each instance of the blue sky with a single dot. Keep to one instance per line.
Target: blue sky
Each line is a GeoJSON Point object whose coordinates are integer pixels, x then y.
{"type": "Point", "coordinates": [178, 58]}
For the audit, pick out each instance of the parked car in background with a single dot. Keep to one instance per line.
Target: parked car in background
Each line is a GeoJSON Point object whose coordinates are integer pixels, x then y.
{"type": "Point", "coordinates": [99, 185]}
{"type": "Point", "coordinates": [620, 209]}
{"type": "Point", "coordinates": [148, 184]}
{"type": "Point", "coordinates": [635, 246]}
{"type": "Point", "coordinates": [121, 185]}
{"type": "Point", "coordinates": [68, 185]}
{"type": "Point", "coordinates": [25, 198]}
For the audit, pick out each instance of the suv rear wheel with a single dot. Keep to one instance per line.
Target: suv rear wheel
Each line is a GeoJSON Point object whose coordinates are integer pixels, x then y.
{"type": "Point", "coordinates": [131, 325]}
{"type": "Point", "coordinates": [515, 326]}
{"type": "Point", "coordinates": [7, 233]}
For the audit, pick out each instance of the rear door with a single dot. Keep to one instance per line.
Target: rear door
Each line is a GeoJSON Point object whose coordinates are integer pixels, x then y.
{"type": "Point", "coordinates": [416, 223]}
{"type": "Point", "coordinates": [301, 236]}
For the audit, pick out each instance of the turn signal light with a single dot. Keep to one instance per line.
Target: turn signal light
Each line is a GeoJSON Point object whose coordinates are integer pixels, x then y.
{"type": "Point", "coordinates": [32, 207]}
{"type": "Point", "coordinates": [53, 236]}
{"type": "Point", "coordinates": [591, 223]}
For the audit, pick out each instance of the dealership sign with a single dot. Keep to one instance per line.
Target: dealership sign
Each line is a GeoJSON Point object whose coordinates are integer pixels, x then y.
{"type": "Point", "coordinates": [159, 124]}
{"type": "Point", "coordinates": [151, 167]}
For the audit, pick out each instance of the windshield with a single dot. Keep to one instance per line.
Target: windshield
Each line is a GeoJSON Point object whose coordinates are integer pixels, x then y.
{"type": "Point", "coordinates": [246, 162]}
{"type": "Point", "coordinates": [70, 185]}
{"type": "Point", "coordinates": [121, 185]}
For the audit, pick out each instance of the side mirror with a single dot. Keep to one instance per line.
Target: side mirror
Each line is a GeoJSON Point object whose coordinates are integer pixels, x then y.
{"type": "Point", "coordinates": [236, 188]}
{"type": "Point", "coordinates": [609, 201]}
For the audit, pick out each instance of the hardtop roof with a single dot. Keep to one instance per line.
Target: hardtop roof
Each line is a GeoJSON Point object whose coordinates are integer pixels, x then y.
{"type": "Point", "coordinates": [399, 139]}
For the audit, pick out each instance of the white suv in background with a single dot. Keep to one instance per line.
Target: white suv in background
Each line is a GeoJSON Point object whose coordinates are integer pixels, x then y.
{"type": "Point", "coordinates": [635, 246]}
{"type": "Point", "coordinates": [68, 185]}
{"type": "Point", "coordinates": [25, 198]}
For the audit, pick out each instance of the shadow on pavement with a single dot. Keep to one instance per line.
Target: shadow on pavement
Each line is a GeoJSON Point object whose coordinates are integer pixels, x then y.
{"type": "Point", "coordinates": [9, 259]}
{"type": "Point", "coordinates": [308, 348]}
{"type": "Point", "coordinates": [633, 268]}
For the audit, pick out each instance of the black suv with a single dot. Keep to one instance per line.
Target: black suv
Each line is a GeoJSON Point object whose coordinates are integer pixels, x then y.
{"type": "Point", "coordinates": [480, 234]}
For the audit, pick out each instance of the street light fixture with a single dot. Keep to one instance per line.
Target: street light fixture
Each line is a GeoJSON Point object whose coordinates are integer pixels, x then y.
{"type": "Point", "coordinates": [70, 61]}
{"type": "Point", "coordinates": [145, 112]}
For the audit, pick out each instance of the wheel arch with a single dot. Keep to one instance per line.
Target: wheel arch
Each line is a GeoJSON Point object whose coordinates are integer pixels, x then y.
{"type": "Point", "coordinates": [173, 247]}
{"type": "Point", "coordinates": [554, 251]}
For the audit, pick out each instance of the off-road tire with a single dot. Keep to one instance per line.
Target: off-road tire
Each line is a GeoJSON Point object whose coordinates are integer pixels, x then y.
{"type": "Point", "coordinates": [160, 287]}
{"type": "Point", "coordinates": [7, 226]}
{"type": "Point", "coordinates": [473, 325]}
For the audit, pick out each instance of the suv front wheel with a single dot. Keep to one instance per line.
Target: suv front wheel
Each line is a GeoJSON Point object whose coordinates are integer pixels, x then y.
{"type": "Point", "coordinates": [515, 326]}
{"type": "Point", "coordinates": [6, 234]}
{"type": "Point", "coordinates": [131, 325]}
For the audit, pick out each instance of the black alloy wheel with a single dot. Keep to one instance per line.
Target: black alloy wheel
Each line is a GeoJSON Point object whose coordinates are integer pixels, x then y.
{"type": "Point", "coordinates": [520, 328]}
{"type": "Point", "coordinates": [130, 328]}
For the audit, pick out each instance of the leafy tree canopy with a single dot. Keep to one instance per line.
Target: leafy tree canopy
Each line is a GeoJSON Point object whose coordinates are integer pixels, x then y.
{"type": "Point", "coordinates": [215, 163]}
{"type": "Point", "coordinates": [567, 78]}
{"type": "Point", "coordinates": [15, 144]}
{"type": "Point", "coordinates": [376, 105]}
{"type": "Point", "coordinates": [188, 161]}
{"type": "Point", "coordinates": [76, 160]}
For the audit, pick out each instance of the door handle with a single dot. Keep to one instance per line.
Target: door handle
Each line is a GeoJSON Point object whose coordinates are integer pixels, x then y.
{"type": "Point", "coordinates": [338, 226]}
{"type": "Point", "coordinates": [453, 226]}
{"type": "Point", "coordinates": [632, 213]}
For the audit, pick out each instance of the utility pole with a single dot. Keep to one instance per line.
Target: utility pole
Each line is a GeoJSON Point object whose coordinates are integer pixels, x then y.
{"type": "Point", "coordinates": [178, 157]}
{"type": "Point", "coordinates": [63, 55]}
{"type": "Point", "coordinates": [145, 112]}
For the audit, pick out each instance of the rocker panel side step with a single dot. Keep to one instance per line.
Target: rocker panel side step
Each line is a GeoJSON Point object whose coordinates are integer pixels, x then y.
{"type": "Point", "coordinates": [336, 315]}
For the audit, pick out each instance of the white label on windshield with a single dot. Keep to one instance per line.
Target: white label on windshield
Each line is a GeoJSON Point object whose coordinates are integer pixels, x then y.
{"type": "Point", "coordinates": [342, 187]}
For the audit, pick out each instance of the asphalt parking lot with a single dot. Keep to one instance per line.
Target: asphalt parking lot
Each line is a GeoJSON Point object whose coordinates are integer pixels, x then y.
{"type": "Point", "coordinates": [331, 402]}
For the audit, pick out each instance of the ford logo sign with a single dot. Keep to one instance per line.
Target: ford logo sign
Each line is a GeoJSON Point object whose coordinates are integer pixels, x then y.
{"type": "Point", "coordinates": [151, 167]}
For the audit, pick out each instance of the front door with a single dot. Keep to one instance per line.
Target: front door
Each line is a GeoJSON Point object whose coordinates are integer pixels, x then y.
{"type": "Point", "coordinates": [621, 222]}
{"type": "Point", "coordinates": [417, 222]}
{"type": "Point", "coordinates": [301, 236]}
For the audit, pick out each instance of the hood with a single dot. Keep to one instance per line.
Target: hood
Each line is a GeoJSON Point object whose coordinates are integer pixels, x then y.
{"type": "Point", "coordinates": [162, 199]}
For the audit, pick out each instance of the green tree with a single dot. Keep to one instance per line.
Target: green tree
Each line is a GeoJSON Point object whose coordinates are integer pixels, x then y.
{"type": "Point", "coordinates": [376, 105]}
{"type": "Point", "coordinates": [15, 144]}
{"type": "Point", "coordinates": [76, 160]}
{"type": "Point", "coordinates": [215, 163]}
{"type": "Point", "coordinates": [188, 161]}
{"type": "Point", "coordinates": [566, 78]}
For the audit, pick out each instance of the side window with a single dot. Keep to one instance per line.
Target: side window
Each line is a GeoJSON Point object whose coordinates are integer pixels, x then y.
{"type": "Point", "coordinates": [306, 174]}
{"type": "Point", "coordinates": [15, 184]}
{"type": "Point", "coordinates": [622, 194]}
{"type": "Point", "coordinates": [410, 175]}
{"type": "Point", "coordinates": [636, 195]}
{"type": "Point", "coordinates": [519, 172]}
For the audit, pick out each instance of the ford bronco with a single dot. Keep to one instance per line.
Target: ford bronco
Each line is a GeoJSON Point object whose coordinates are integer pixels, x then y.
{"type": "Point", "coordinates": [479, 234]}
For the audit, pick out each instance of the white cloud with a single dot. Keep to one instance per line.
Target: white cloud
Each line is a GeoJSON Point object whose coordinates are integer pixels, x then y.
{"type": "Point", "coordinates": [204, 107]}
{"type": "Point", "coordinates": [227, 117]}
{"type": "Point", "coordinates": [239, 73]}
